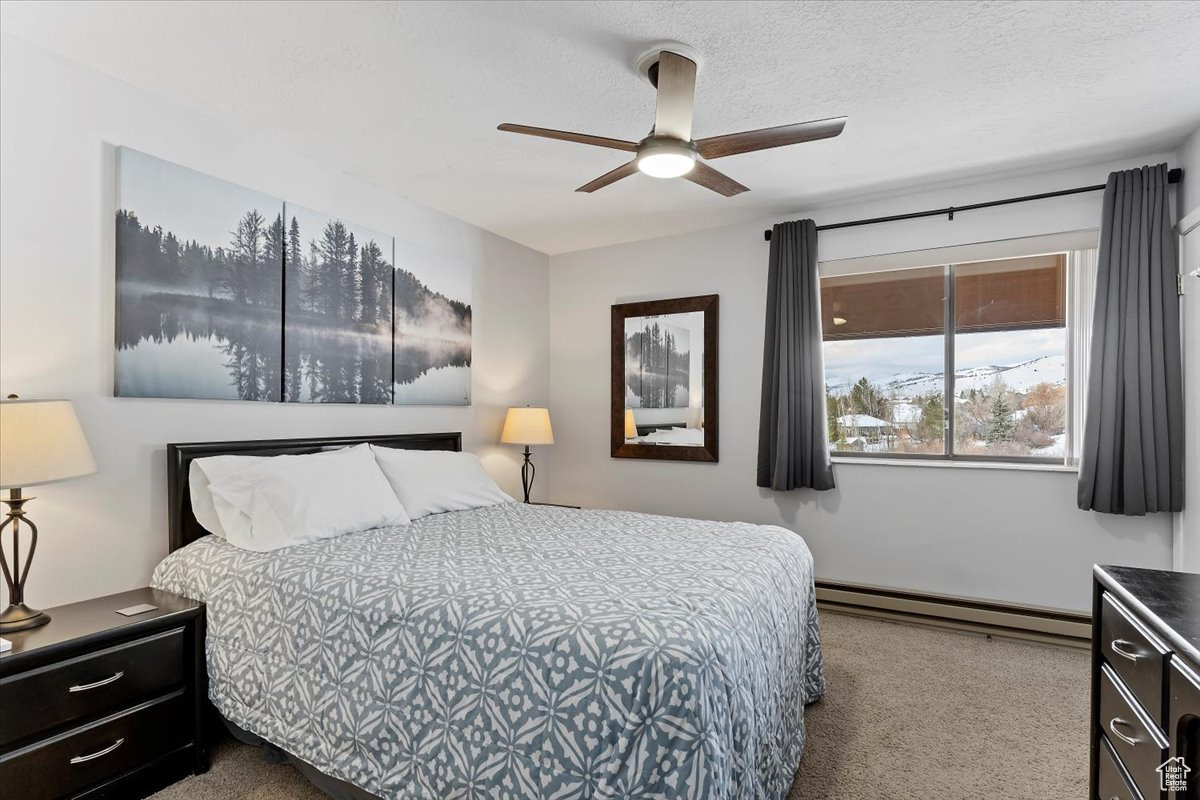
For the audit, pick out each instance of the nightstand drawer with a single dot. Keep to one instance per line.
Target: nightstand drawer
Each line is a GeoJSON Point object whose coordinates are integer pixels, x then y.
{"type": "Point", "coordinates": [1135, 738]}
{"type": "Point", "coordinates": [1135, 655]}
{"type": "Point", "coordinates": [75, 760]}
{"type": "Point", "coordinates": [43, 701]}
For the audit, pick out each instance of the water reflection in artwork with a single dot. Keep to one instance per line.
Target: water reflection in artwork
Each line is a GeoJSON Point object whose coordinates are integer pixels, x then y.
{"type": "Point", "coordinates": [337, 333]}
{"type": "Point", "coordinates": [432, 317]}
{"type": "Point", "coordinates": [223, 293]}
{"type": "Point", "coordinates": [199, 285]}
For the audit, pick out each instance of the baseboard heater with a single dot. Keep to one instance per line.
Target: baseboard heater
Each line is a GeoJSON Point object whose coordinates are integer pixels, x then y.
{"type": "Point", "coordinates": [960, 613]}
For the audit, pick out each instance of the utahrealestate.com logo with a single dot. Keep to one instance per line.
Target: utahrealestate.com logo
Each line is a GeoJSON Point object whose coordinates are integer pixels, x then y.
{"type": "Point", "coordinates": [1174, 772]}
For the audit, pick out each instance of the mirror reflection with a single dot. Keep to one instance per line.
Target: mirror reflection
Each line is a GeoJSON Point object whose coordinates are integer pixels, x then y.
{"type": "Point", "coordinates": [664, 379]}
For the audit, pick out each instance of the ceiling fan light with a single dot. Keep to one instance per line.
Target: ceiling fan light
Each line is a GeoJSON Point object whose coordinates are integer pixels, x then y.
{"type": "Point", "coordinates": [665, 165]}
{"type": "Point", "coordinates": [666, 159]}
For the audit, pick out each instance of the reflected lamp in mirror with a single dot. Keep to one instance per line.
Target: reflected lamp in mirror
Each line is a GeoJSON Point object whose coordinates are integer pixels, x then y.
{"type": "Point", "coordinates": [527, 426]}
{"type": "Point", "coordinates": [664, 379]}
{"type": "Point", "coordinates": [41, 441]}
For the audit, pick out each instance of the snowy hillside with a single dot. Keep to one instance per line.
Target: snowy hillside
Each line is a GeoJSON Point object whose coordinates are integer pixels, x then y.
{"type": "Point", "coordinates": [1019, 378]}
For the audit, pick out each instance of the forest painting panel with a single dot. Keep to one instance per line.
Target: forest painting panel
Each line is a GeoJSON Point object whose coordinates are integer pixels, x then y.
{"type": "Point", "coordinates": [338, 317]}
{"type": "Point", "coordinates": [657, 363]}
{"type": "Point", "coordinates": [432, 348]}
{"type": "Point", "coordinates": [199, 284]}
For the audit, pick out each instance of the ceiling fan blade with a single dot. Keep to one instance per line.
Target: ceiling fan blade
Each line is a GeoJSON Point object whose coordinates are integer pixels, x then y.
{"type": "Point", "coordinates": [676, 96]}
{"type": "Point", "coordinates": [719, 182]}
{"type": "Point", "coordinates": [731, 144]}
{"type": "Point", "coordinates": [623, 171]}
{"type": "Point", "coordinates": [568, 136]}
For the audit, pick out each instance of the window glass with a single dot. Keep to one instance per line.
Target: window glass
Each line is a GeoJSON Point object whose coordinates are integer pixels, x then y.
{"type": "Point", "coordinates": [884, 355]}
{"type": "Point", "coordinates": [1010, 367]}
{"type": "Point", "coordinates": [888, 342]}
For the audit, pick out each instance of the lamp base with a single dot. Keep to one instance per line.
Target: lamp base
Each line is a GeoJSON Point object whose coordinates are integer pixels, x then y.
{"type": "Point", "coordinates": [19, 617]}
{"type": "Point", "coordinates": [527, 471]}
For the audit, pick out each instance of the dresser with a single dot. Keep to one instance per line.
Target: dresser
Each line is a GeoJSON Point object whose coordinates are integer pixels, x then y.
{"type": "Point", "coordinates": [1145, 684]}
{"type": "Point", "coordinates": [96, 704]}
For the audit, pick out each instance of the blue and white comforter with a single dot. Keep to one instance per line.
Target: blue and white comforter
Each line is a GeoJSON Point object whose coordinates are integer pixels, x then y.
{"type": "Point", "coordinates": [521, 652]}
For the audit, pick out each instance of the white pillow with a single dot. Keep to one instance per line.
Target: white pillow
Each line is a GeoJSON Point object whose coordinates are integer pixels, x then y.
{"type": "Point", "coordinates": [676, 436]}
{"type": "Point", "coordinates": [287, 500]}
{"type": "Point", "coordinates": [202, 473]}
{"type": "Point", "coordinates": [687, 435]}
{"type": "Point", "coordinates": [433, 481]}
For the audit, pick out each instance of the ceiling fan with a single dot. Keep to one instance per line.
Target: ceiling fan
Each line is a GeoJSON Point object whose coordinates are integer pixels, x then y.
{"type": "Point", "coordinates": [670, 151]}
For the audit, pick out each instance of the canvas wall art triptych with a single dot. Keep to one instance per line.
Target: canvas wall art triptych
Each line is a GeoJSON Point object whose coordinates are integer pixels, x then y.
{"type": "Point", "coordinates": [226, 293]}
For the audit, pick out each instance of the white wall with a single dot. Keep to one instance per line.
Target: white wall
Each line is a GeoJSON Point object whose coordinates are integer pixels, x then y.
{"type": "Point", "coordinates": [1008, 535]}
{"type": "Point", "coordinates": [59, 123]}
{"type": "Point", "coordinates": [1187, 523]}
{"type": "Point", "coordinates": [1189, 160]}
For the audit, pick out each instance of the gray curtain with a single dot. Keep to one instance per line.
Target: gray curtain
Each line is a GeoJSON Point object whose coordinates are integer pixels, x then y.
{"type": "Point", "coordinates": [1132, 457]}
{"type": "Point", "coordinates": [792, 449]}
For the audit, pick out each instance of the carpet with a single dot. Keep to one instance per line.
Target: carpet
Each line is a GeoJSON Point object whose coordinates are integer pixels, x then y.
{"type": "Point", "coordinates": [911, 712]}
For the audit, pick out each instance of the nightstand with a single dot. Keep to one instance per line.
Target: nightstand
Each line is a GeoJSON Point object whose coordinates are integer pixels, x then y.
{"type": "Point", "coordinates": [100, 705]}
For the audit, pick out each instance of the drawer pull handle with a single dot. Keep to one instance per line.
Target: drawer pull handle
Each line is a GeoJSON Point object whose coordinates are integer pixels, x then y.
{"type": "Point", "coordinates": [83, 687]}
{"type": "Point", "coordinates": [1112, 726]}
{"type": "Point", "coordinates": [1121, 651]}
{"type": "Point", "coordinates": [98, 753]}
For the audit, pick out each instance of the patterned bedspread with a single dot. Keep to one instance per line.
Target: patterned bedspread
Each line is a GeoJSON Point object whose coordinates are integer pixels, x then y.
{"type": "Point", "coordinates": [521, 652]}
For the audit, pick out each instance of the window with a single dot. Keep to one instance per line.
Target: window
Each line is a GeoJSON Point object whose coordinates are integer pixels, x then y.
{"type": "Point", "coordinates": [957, 361]}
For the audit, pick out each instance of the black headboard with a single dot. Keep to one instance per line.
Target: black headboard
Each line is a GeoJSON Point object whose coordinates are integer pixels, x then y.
{"type": "Point", "coordinates": [182, 525]}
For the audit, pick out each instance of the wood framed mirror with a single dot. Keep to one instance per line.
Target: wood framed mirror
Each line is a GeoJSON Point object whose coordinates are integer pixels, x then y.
{"type": "Point", "coordinates": [664, 379]}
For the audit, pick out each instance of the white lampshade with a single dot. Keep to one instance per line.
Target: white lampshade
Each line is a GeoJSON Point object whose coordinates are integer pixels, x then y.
{"type": "Point", "coordinates": [41, 441]}
{"type": "Point", "coordinates": [527, 426]}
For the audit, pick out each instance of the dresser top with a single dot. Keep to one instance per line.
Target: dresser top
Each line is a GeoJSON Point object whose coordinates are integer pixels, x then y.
{"type": "Point", "coordinates": [94, 623]}
{"type": "Point", "coordinates": [1170, 601]}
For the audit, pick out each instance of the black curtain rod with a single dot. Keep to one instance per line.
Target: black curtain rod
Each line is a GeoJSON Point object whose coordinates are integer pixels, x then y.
{"type": "Point", "coordinates": [1173, 176]}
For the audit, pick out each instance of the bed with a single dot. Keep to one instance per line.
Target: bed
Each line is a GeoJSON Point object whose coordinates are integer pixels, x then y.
{"type": "Point", "coordinates": [510, 651]}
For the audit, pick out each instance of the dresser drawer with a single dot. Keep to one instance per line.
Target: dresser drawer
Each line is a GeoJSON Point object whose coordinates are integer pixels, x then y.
{"type": "Point", "coordinates": [73, 761]}
{"type": "Point", "coordinates": [1112, 784]}
{"type": "Point", "coordinates": [1135, 738]}
{"type": "Point", "coordinates": [1135, 655]}
{"type": "Point", "coordinates": [1185, 695]}
{"type": "Point", "coordinates": [46, 700]}
{"type": "Point", "coordinates": [1185, 723]}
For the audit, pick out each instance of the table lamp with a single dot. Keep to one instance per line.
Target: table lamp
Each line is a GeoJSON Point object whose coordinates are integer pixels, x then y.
{"type": "Point", "coordinates": [40, 442]}
{"type": "Point", "coordinates": [527, 426]}
{"type": "Point", "coordinates": [630, 424]}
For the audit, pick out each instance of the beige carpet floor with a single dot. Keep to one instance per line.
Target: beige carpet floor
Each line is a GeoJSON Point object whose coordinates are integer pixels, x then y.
{"type": "Point", "coordinates": [911, 712]}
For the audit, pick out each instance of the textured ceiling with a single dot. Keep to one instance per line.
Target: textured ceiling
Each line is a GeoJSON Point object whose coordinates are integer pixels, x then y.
{"type": "Point", "coordinates": [408, 96]}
